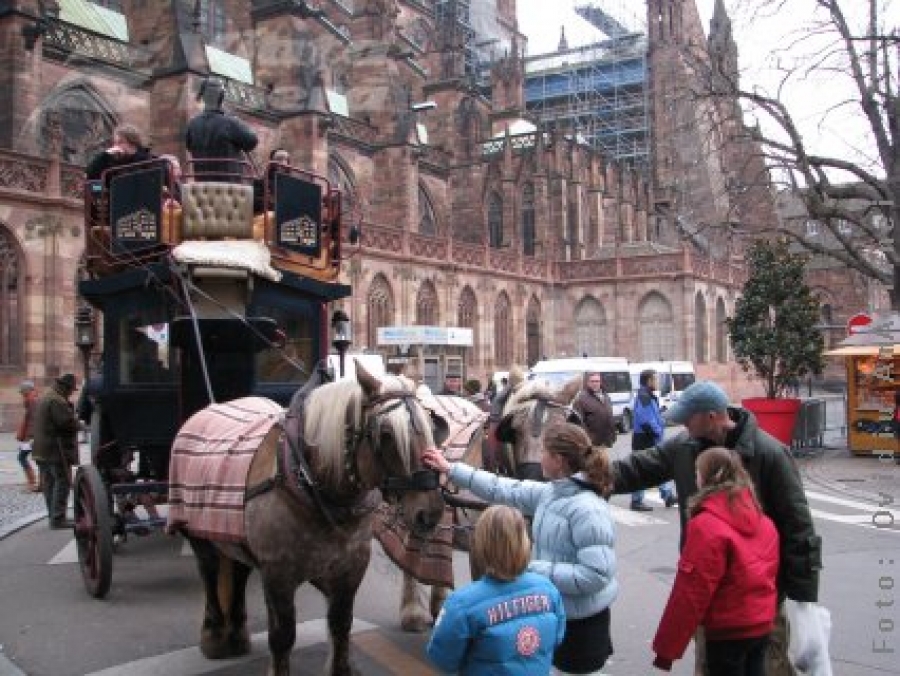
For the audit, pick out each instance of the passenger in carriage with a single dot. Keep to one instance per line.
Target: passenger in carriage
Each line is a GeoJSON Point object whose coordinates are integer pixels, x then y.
{"type": "Point", "coordinates": [214, 135]}
{"type": "Point", "coordinates": [127, 148]}
{"type": "Point", "coordinates": [172, 198]}
{"type": "Point", "coordinates": [277, 156]}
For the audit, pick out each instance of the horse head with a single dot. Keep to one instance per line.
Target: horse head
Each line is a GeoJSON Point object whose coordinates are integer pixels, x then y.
{"type": "Point", "coordinates": [398, 429]}
{"type": "Point", "coordinates": [530, 408]}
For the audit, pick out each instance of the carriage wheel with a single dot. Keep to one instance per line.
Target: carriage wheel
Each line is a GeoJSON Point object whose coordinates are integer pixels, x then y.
{"type": "Point", "coordinates": [93, 531]}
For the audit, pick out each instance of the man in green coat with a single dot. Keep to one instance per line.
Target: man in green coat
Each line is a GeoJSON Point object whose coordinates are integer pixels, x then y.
{"type": "Point", "coordinates": [55, 449]}
{"type": "Point", "coordinates": [710, 421]}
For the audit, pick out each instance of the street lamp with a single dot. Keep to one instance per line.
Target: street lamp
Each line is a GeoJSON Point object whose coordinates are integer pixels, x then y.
{"type": "Point", "coordinates": [84, 336]}
{"type": "Point", "coordinates": [341, 332]}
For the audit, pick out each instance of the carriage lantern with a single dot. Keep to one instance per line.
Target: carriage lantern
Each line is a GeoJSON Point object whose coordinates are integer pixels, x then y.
{"type": "Point", "coordinates": [84, 335]}
{"type": "Point", "coordinates": [340, 328]}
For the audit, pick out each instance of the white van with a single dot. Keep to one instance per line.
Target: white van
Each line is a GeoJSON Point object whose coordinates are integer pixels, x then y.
{"type": "Point", "coordinates": [673, 377]}
{"type": "Point", "coordinates": [616, 380]}
{"type": "Point", "coordinates": [373, 363]}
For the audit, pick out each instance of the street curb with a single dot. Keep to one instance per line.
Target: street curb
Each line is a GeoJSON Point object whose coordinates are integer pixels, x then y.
{"type": "Point", "coordinates": [16, 526]}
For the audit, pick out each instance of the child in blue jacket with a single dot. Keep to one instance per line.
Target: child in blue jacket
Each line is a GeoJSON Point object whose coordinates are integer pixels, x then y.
{"type": "Point", "coordinates": [508, 622]}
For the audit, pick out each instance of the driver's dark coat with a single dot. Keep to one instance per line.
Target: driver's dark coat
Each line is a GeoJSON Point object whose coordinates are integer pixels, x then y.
{"type": "Point", "coordinates": [212, 134]}
{"type": "Point", "coordinates": [774, 476]}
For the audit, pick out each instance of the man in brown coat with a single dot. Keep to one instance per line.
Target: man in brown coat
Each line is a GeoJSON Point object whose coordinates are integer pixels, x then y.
{"type": "Point", "coordinates": [55, 449]}
{"type": "Point", "coordinates": [595, 408]}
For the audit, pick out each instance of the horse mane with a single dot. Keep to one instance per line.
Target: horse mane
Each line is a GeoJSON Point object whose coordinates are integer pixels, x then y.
{"type": "Point", "coordinates": [524, 396]}
{"type": "Point", "coordinates": [331, 407]}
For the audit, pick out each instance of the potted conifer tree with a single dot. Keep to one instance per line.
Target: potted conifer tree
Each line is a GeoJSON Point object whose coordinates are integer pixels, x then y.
{"type": "Point", "coordinates": [773, 333]}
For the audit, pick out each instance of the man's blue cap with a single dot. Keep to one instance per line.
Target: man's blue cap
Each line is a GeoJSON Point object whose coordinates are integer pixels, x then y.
{"type": "Point", "coordinates": [701, 397]}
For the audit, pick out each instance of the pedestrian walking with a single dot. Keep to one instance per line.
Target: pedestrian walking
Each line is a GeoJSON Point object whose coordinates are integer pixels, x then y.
{"type": "Point", "coordinates": [595, 409]}
{"type": "Point", "coordinates": [726, 579]}
{"type": "Point", "coordinates": [25, 434]}
{"type": "Point", "coordinates": [649, 428]}
{"type": "Point", "coordinates": [573, 535]}
{"type": "Point", "coordinates": [55, 449]}
{"type": "Point", "coordinates": [510, 620]}
{"type": "Point", "coordinates": [709, 420]}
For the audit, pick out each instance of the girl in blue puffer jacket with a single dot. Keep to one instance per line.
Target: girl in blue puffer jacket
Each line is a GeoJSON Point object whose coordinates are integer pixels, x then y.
{"type": "Point", "coordinates": [573, 535]}
{"type": "Point", "coordinates": [510, 621]}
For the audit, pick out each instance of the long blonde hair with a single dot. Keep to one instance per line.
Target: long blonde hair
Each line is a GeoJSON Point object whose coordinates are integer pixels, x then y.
{"type": "Point", "coordinates": [721, 470]}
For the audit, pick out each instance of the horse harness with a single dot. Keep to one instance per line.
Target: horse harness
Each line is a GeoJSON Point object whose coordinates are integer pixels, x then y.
{"type": "Point", "coordinates": [293, 471]}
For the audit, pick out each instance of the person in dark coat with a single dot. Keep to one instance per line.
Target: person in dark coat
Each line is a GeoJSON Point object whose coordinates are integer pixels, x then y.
{"type": "Point", "coordinates": [55, 449]}
{"type": "Point", "coordinates": [595, 409]}
{"type": "Point", "coordinates": [127, 148]}
{"type": "Point", "coordinates": [704, 410]}
{"type": "Point", "coordinates": [214, 135]}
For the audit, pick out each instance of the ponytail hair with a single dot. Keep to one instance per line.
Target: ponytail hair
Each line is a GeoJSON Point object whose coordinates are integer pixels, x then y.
{"type": "Point", "coordinates": [721, 470]}
{"type": "Point", "coordinates": [572, 443]}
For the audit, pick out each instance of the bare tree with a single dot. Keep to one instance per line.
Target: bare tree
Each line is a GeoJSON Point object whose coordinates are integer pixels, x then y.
{"type": "Point", "coordinates": [859, 41]}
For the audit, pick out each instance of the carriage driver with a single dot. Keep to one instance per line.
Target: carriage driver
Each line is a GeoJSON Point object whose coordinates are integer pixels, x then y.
{"type": "Point", "coordinates": [213, 134]}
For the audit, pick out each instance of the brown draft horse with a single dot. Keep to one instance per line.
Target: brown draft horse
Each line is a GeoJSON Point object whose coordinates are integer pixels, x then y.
{"type": "Point", "coordinates": [309, 498]}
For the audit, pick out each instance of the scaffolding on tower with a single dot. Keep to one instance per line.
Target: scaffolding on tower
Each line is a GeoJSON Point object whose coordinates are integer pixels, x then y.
{"type": "Point", "coordinates": [598, 90]}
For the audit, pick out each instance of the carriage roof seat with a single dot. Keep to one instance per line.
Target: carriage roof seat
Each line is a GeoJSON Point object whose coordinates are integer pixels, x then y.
{"type": "Point", "coordinates": [216, 211]}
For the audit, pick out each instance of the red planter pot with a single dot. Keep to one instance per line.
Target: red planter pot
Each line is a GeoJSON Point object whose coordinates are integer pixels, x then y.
{"type": "Point", "coordinates": [775, 416]}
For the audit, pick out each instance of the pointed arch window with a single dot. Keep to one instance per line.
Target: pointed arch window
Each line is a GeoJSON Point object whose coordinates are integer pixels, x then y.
{"type": "Point", "coordinates": [528, 234]}
{"type": "Point", "coordinates": [701, 335]}
{"type": "Point", "coordinates": [591, 328]}
{"type": "Point", "coordinates": [340, 178]}
{"type": "Point", "coordinates": [503, 344]}
{"type": "Point", "coordinates": [427, 305]}
{"type": "Point", "coordinates": [427, 223]}
{"type": "Point", "coordinates": [533, 332]}
{"type": "Point", "coordinates": [212, 21]}
{"type": "Point", "coordinates": [12, 300]}
{"type": "Point", "coordinates": [657, 322]}
{"type": "Point", "coordinates": [466, 317]}
{"type": "Point", "coordinates": [495, 220]}
{"type": "Point", "coordinates": [380, 306]}
{"type": "Point", "coordinates": [721, 333]}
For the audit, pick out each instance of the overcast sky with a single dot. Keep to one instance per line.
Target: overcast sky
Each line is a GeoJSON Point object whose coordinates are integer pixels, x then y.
{"type": "Point", "coordinates": [759, 39]}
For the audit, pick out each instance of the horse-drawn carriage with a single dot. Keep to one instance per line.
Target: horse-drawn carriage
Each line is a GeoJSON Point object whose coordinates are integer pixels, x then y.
{"type": "Point", "coordinates": [200, 301]}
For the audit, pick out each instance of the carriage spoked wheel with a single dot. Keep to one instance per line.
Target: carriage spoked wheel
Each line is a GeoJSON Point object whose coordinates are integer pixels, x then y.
{"type": "Point", "coordinates": [93, 531]}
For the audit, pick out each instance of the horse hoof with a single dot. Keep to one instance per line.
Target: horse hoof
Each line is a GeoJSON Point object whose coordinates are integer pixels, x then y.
{"type": "Point", "coordinates": [239, 643]}
{"type": "Point", "coordinates": [213, 646]}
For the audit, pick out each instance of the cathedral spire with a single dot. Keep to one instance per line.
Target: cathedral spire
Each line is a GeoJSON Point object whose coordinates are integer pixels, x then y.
{"type": "Point", "coordinates": [563, 43]}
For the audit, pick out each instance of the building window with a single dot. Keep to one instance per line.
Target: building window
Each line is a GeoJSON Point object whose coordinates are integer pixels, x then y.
{"type": "Point", "coordinates": [528, 219]}
{"type": "Point", "coordinates": [114, 5]}
{"type": "Point", "coordinates": [495, 221]}
{"type": "Point", "coordinates": [591, 329]}
{"type": "Point", "coordinates": [339, 178]}
{"type": "Point", "coordinates": [380, 305]}
{"type": "Point", "coordinates": [721, 333]}
{"type": "Point", "coordinates": [827, 320]}
{"type": "Point", "coordinates": [466, 317]}
{"type": "Point", "coordinates": [427, 225]}
{"type": "Point", "coordinates": [533, 332]}
{"type": "Point", "coordinates": [844, 227]}
{"type": "Point", "coordinates": [211, 14]}
{"type": "Point", "coordinates": [427, 305]}
{"type": "Point", "coordinates": [657, 322]}
{"type": "Point", "coordinates": [12, 300]}
{"type": "Point", "coordinates": [503, 347]}
{"type": "Point", "coordinates": [812, 228]}
{"type": "Point", "coordinates": [701, 336]}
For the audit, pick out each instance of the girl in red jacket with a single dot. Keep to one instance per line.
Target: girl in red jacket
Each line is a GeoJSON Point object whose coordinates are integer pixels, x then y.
{"type": "Point", "coordinates": [726, 574]}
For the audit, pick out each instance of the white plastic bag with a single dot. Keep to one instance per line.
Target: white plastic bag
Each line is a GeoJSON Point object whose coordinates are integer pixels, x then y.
{"type": "Point", "coordinates": [810, 631]}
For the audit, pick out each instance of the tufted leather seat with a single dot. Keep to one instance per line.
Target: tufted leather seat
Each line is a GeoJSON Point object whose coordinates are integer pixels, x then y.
{"type": "Point", "coordinates": [217, 210]}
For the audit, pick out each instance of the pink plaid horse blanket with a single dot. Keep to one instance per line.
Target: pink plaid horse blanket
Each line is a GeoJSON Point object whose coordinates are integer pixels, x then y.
{"type": "Point", "coordinates": [208, 469]}
{"type": "Point", "coordinates": [431, 561]}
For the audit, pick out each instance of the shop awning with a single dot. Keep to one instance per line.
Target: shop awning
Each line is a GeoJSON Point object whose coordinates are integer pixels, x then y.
{"type": "Point", "coordinates": [859, 351]}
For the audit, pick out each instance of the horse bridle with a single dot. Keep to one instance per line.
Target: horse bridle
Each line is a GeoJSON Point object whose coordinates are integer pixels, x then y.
{"type": "Point", "coordinates": [536, 425]}
{"type": "Point", "coordinates": [422, 480]}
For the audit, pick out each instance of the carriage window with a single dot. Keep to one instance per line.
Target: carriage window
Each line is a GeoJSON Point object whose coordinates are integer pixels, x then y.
{"type": "Point", "coordinates": [144, 355]}
{"type": "Point", "coordinates": [292, 363]}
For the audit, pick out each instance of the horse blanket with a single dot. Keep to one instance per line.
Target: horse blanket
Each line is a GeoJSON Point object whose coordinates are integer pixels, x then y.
{"type": "Point", "coordinates": [208, 469]}
{"type": "Point", "coordinates": [431, 561]}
